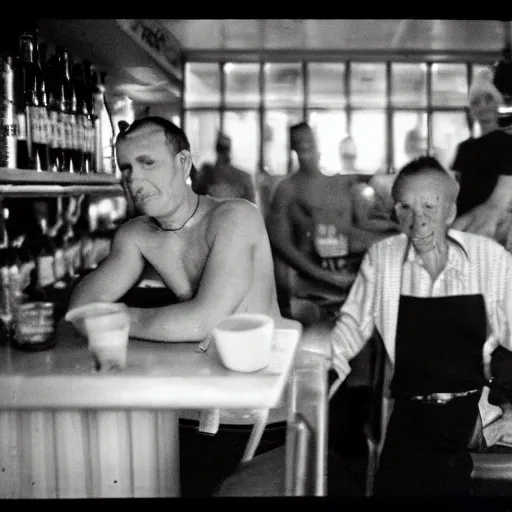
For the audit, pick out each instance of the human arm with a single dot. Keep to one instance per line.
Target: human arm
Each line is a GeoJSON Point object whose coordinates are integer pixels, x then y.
{"type": "Point", "coordinates": [116, 274]}
{"type": "Point", "coordinates": [280, 231]}
{"type": "Point", "coordinates": [500, 334]}
{"type": "Point", "coordinates": [236, 230]}
{"type": "Point", "coordinates": [485, 218]}
{"type": "Point", "coordinates": [355, 323]}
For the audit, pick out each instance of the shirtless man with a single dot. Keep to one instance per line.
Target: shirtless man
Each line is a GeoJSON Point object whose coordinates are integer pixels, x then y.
{"type": "Point", "coordinates": [223, 179]}
{"type": "Point", "coordinates": [309, 211]}
{"type": "Point", "coordinates": [213, 254]}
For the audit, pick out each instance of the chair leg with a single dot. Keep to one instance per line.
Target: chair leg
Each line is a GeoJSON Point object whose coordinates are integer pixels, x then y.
{"type": "Point", "coordinates": [256, 434]}
{"type": "Point", "coordinates": [371, 468]}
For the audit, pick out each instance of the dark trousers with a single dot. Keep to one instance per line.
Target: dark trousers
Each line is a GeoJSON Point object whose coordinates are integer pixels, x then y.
{"type": "Point", "coordinates": [426, 449]}
{"type": "Point", "coordinates": [206, 460]}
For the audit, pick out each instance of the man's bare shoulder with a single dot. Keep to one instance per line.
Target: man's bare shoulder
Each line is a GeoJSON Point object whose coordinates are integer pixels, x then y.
{"type": "Point", "coordinates": [134, 229]}
{"type": "Point", "coordinates": [233, 214]}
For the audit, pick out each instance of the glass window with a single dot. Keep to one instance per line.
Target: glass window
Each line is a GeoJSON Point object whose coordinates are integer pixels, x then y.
{"type": "Point", "coordinates": [409, 84]}
{"type": "Point", "coordinates": [242, 84]}
{"type": "Point", "coordinates": [283, 85]}
{"type": "Point", "coordinates": [449, 85]}
{"type": "Point", "coordinates": [276, 143]}
{"type": "Point", "coordinates": [369, 133]}
{"type": "Point", "coordinates": [448, 130]}
{"type": "Point", "coordinates": [243, 128]}
{"type": "Point", "coordinates": [409, 137]}
{"type": "Point", "coordinates": [326, 84]}
{"type": "Point", "coordinates": [202, 128]}
{"type": "Point", "coordinates": [330, 127]}
{"type": "Point", "coordinates": [368, 84]}
{"type": "Point", "coordinates": [202, 84]}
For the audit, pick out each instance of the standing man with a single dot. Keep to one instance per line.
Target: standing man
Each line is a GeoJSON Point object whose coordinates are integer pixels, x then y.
{"type": "Point", "coordinates": [224, 180]}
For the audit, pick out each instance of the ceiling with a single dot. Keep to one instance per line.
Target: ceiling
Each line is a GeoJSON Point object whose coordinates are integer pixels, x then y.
{"type": "Point", "coordinates": [134, 72]}
{"type": "Point", "coordinates": [338, 34]}
{"type": "Point", "coordinates": [131, 70]}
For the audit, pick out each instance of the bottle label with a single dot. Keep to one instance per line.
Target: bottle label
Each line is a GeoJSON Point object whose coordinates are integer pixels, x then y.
{"type": "Point", "coordinates": [8, 149]}
{"type": "Point", "coordinates": [55, 131]}
{"type": "Point", "coordinates": [22, 126]}
{"type": "Point", "coordinates": [26, 274]}
{"type": "Point", "coordinates": [80, 129]}
{"type": "Point", "coordinates": [45, 271]}
{"type": "Point", "coordinates": [68, 131]}
{"type": "Point", "coordinates": [35, 124]}
{"type": "Point", "coordinates": [43, 126]}
{"type": "Point", "coordinates": [59, 264]}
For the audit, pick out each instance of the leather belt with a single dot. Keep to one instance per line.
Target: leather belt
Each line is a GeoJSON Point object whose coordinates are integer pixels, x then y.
{"type": "Point", "coordinates": [442, 398]}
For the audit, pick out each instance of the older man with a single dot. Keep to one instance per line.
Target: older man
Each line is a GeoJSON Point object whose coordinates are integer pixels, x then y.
{"type": "Point", "coordinates": [442, 301]}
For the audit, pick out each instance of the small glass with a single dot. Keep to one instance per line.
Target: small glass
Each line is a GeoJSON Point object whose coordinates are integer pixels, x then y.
{"type": "Point", "coordinates": [34, 326]}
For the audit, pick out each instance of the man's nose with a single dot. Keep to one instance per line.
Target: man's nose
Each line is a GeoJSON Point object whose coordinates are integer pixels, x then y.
{"type": "Point", "coordinates": [418, 220]}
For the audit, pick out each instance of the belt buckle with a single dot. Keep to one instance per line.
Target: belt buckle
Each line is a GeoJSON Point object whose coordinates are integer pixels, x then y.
{"type": "Point", "coordinates": [442, 398]}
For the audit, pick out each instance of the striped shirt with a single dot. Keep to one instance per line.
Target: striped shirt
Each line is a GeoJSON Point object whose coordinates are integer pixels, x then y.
{"type": "Point", "coordinates": [475, 264]}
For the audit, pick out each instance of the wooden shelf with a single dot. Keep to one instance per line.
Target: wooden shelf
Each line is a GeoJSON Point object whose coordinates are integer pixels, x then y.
{"type": "Point", "coordinates": [23, 177]}
{"type": "Point", "coordinates": [51, 190]}
{"type": "Point", "coordinates": [28, 183]}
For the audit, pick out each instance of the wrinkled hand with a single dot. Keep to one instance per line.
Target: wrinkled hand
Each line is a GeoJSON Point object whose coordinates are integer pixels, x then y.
{"type": "Point", "coordinates": [482, 220]}
{"type": "Point", "coordinates": [499, 428]}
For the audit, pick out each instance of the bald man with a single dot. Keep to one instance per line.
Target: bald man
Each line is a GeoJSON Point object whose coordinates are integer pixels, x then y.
{"type": "Point", "coordinates": [441, 300]}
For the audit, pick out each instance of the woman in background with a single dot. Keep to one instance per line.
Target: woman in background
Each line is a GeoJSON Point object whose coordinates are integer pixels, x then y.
{"type": "Point", "coordinates": [483, 166]}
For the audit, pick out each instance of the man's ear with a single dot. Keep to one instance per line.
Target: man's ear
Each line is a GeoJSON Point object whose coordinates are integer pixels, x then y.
{"type": "Point", "coordinates": [185, 161]}
{"type": "Point", "coordinates": [452, 214]}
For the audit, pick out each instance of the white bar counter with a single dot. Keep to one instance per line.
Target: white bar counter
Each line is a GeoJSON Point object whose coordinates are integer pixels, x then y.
{"type": "Point", "coordinates": [67, 431]}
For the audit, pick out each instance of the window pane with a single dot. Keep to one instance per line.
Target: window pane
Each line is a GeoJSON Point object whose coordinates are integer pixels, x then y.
{"type": "Point", "coordinates": [283, 85]}
{"type": "Point", "coordinates": [409, 85]}
{"type": "Point", "coordinates": [448, 130]}
{"type": "Point", "coordinates": [449, 84]}
{"type": "Point", "coordinates": [326, 81]}
{"type": "Point", "coordinates": [409, 137]}
{"type": "Point", "coordinates": [242, 84]}
{"type": "Point", "coordinates": [330, 127]}
{"type": "Point", "coordinates": [243, 128]}
{"type": "Point", "coordinates": [202, 84]}
{"type": "Point", "coordinates": [368, 84]}
{"type": "Point", "coordinates": [369, 134]}
{"type": "Point", "coordinates": [202, 129]}
{"type": "Point", "coordinates": [276, 145]}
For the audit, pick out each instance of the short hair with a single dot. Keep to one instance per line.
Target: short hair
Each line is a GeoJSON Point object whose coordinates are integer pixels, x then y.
{"type": "Point", "coordinates": [294, 129]}
{"type": "Point", "coordinates": [174, 134]}
{"type": "Point", "coordinates": [421, 166]}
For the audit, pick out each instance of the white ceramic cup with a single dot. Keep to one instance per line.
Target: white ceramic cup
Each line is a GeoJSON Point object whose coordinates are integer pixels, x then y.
{"type": "Point", "coordinates": [107, 327]}
{"type": "Point", "coordinates": [244, 341]}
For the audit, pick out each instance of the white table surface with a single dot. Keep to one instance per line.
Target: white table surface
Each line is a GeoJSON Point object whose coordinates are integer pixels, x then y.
{"type": "Point", "coordinates": [158, 376]}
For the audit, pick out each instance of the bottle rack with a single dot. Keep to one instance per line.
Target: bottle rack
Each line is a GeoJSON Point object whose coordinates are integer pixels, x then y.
{"type": "Point", "coordinates": [29, 183]}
